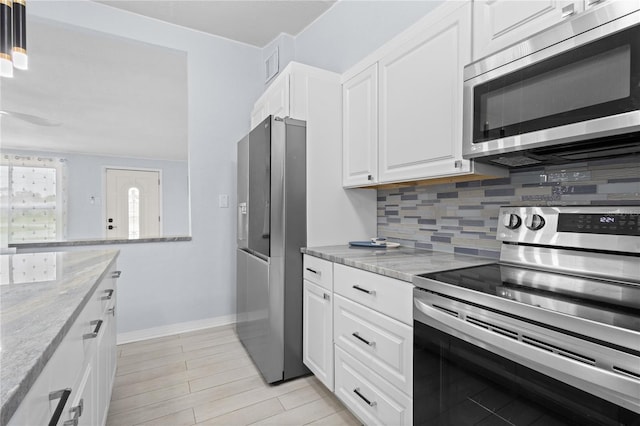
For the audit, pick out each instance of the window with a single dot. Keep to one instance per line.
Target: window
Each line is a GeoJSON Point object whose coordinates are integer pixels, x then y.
{"type": "Point", "coordinates": [134, 213]}
{"type": "Point", "coordinates": [32, 198]}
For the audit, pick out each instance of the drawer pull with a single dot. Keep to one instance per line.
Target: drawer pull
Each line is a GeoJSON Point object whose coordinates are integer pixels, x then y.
{"type": "Point", "coordinates": [326, 296]}
{"type": "Point", "coordinates": [63, 394]}
{"type": "Point", "coordinates": [109, 295]}
{"type": "Point", "coordinates": [116, 274]}
{"type": "Point", "coordinates": [364, 290]}
{"type": "Point", "coordinates": [362, 339]}
{"type": "Point", "coordinates": [370, 403]}
{"type": "Point", "coordinates": [77, 412]}
{"type": "Point", "coordinates": [313, 271]}
{"type": "Point", "coordinates": [98, 324]}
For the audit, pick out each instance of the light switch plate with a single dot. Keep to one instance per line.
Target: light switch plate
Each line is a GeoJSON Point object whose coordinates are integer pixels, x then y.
{"type": "Point", "coordinates": [223, 201]}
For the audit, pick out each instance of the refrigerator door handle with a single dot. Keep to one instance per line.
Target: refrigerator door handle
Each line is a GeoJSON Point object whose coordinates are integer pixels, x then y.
{"type": "Point", "coordinates": [242, 221]}
{"type": "Point", "coordinates": [266, 227]}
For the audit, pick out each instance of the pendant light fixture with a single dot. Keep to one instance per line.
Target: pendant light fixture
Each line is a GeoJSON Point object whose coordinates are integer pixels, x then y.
{"type": "Point", "coordinates": [19, 49]}
{"type": "Point", "coordinates": [13, 36]}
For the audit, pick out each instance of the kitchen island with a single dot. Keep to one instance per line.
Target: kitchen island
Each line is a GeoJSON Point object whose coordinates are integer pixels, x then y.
{"type": "Point", "coordinates": [44, 299]}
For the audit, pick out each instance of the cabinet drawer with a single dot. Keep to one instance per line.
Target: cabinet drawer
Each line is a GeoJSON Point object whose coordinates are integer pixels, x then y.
{"type": "Point", "coordinates": [382, 343]}
{"type": "Point", "coordinates": [318, 271]}
{"type": "Point", "coordinates": [374, 400]}
{"type": "Point", "coordinates": [383, 294]}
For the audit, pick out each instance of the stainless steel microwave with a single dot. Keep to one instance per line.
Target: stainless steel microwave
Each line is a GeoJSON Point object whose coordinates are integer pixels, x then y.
{"type": "Point", "coordinates": [569, 93]}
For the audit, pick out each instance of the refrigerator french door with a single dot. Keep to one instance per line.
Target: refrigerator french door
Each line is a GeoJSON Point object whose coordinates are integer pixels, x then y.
{"type": "Point", "coordinates": [271, 231]}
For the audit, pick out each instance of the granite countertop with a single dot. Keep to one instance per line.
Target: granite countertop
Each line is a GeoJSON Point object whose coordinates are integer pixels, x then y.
{"type": "Point", "coordinates": [41, 296]}
{"type": "Point", "coordinates": [401, 263]}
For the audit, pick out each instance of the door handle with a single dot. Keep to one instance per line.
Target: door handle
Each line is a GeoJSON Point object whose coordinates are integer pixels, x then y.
{"type": "Point", "coordinates": [63, 395]}
{"type": "Point", "coordinates": [98, 324]}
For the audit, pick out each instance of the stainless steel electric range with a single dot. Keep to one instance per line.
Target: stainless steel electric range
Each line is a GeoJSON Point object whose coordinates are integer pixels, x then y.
{"type": "Point", "coordinates": [548, 335]}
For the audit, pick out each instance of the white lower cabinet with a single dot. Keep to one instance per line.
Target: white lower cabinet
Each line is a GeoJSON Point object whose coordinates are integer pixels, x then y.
{"type": "Point", "coordinates": [317, 337]}
{"type": "Point", "coordinates": [368, 396]}
{"type": "Point", "coordinates": [382, 343]}
{"type": "Point", "coordinates": [74, 388]}
{"type": "Point", "coordinates": [358, 339]}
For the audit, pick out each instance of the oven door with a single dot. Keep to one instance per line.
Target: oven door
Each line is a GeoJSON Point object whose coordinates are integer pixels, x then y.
{"type": "Point", "coordinates": [473, 367]}
{"type": "Point", "coordinates": [581, 88]}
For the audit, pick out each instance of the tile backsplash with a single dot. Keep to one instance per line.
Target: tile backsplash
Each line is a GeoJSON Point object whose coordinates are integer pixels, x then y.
{"type": "Point", "coordinates": [462, 217]}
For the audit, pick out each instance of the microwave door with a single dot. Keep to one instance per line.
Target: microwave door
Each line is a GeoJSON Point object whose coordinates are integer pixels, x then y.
{"type": "Point", "coordinates": [260, 188]}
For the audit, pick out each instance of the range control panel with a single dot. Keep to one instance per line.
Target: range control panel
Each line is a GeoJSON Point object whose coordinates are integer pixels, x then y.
{"type": "Point", "coordinates": [612, 224]}
{"type": "Point", "coordinates": [602, 228]}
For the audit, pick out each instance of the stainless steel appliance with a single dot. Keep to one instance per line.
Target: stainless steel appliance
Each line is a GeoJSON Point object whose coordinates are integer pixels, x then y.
{"type": "Point", "coordinates": [569, 93]}
{"type": "Point", "coordinates": [550, 334]}
{"type": "Point", "coordinates": [271, 231]}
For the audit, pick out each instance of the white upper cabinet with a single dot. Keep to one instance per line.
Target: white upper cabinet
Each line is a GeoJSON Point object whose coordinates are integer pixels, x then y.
{"type": "Point", "coordinates": [501, 23]}
{"type": "Point", "coordinates": [402, 105]}
{"type": "Point", "coordinates": [421, 102]}
{"type": "Point", "coordinates": [360, 128]}
{"type": "Point", "coordinates": [275, 101]}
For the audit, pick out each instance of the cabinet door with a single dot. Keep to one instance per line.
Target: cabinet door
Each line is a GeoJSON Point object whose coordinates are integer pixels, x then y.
{"type": "Point", "coordinates": [317, 334]}
{"type": "Point", "coordinates": [360, 128]}
{"type": "Point", "coordinates": [421, 102]}
{"type": "Point", "coordinates": [274, 101]}
{"type": "Point", "coordinates": [500, 23]}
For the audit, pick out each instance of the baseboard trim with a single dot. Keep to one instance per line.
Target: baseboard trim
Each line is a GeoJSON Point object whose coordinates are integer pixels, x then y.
{"type": "Point", "coordinates": [171, 329]}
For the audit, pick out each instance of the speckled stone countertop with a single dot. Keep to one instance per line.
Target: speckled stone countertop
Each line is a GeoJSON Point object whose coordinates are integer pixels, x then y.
{"type": "Point", "coordinates": [99, 242]}
{"type": "Point", "coordinates": [401, 263]}
{"type": "Point", "coordinates": [41, 296]}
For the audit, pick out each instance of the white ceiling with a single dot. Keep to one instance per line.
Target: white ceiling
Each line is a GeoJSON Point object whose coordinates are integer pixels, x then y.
{"type": "Point", "coordinates": [252, 22]}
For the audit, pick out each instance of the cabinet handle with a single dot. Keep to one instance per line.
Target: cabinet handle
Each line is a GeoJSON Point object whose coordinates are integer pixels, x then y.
{"type": "Point", "coordinates": [568, 10]}
{"type": "Point", "coordinates": [77, 412]}
{"type": "Point", "coordinates": [108, 296]}
{"type": "Point", "coordinates": [370, 403]}
{"type": "Point", "coordinates": [63, 394]}
{"type": "Point", "coordinates": [364, 290]}
{"type": "Point", "coordinates": [592, 2]}
{"type": "Point", "coordinates": [98, 324]}
{"type": "Point", "coordinates": [313, 271]}
{"type": "Point", "coordinates": [326, 296]}
{"type": "Point", "coordinates": [457, 164]}
{"type": "Point", "coordinates": [112, 311]}
{"type": "Point", "coordinates": [362, 339]}
{"type": "Point", "coordinates": [116, 274]}
{"type": "Point", "coordinates": [369, 177]}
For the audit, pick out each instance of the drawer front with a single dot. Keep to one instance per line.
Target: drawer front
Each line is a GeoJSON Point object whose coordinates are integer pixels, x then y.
{"type": "Point", "coordinates": [382, 343]}
{"type": "Point", "coordinates": [371, 398]}
{"type": "Point", "coordinates": [383, 294]}
{"type": "Point", "coordinates": [318, 271]}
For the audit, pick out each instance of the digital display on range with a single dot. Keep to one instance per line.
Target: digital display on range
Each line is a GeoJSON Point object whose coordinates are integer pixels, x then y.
{"type": "Point", "coordinates": [611, 224]}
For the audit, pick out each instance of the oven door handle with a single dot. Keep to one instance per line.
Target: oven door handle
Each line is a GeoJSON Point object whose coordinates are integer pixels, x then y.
{"type": "Point", "coordinates": [619, 389]}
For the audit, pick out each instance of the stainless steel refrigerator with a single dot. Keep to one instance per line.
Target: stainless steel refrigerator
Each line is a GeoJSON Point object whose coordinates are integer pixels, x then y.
{"type": "Point", "coordinates": [271, 231]}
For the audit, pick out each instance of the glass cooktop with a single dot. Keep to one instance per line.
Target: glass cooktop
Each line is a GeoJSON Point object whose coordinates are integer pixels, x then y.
{"type": "Point", "coordinates": [600, 300]}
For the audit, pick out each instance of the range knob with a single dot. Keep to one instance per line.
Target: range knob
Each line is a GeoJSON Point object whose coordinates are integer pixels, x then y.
{"type": "Point", "coordinates": [534, 222]}
{"type": "Point", "coordinates": [511, 221]}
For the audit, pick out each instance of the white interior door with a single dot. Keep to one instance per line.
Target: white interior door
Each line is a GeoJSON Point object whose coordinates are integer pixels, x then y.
{"type": "Point", "coordinates": [133, 203]}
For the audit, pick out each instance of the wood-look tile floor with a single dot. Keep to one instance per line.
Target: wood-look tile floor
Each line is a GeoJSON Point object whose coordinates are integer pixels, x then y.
{"type": "Point", "coordinates": [207, 378]}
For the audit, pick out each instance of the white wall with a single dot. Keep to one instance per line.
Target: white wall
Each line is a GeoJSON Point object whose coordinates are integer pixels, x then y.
{"type": "Point", "coordinates": [168, 283]}
{"type": "Point", "coordinates": [351, 30]}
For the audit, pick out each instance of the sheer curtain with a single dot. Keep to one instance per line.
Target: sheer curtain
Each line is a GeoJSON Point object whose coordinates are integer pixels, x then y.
{"type": "Point", "coordinates": [33, 198]}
